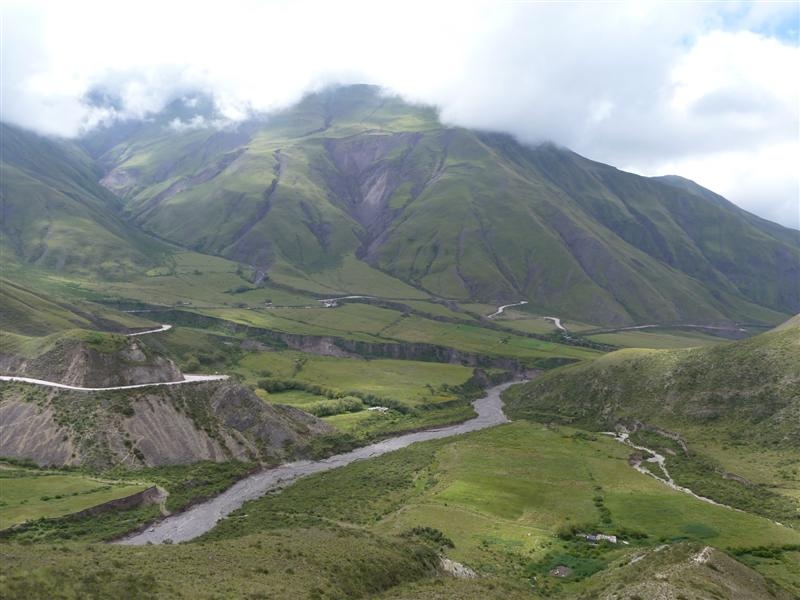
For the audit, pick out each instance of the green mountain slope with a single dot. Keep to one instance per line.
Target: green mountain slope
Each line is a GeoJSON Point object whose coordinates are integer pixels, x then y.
{"type": "Point", "coordinates": [749, 388]}
{"type": "Point", "coordinates": [55, 214]}
{"type": "Point", "coordinates": [462, 214]}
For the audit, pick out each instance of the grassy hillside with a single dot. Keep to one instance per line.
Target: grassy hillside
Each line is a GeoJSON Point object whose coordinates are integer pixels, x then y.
{"type": "Point", "coordinates": [501, 496]}
{"type": "Point", "coordinates": [293, 563]}
{"type": "Point", "coordinates": [31, 312]}
{"type": "Point", "coordinates": [350, 186]}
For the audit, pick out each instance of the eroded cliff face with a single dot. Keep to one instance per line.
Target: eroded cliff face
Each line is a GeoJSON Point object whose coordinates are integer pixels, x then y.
{"type": "Point", "coordinates": [76, 362]}
{"type": "Point", "coordinates": [215, 421]}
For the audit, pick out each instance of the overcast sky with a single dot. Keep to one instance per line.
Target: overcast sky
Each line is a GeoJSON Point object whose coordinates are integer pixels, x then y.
{"type": "Point", "coordinates": [709, 91]}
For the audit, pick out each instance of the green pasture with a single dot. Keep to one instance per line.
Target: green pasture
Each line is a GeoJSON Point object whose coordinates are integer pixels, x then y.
{"type": "Point", "coordinates": [656, 338]}
{"type": "Point", "coordinates": [27, 495]}
{"type": "Point", "coordinates": [408, 381]}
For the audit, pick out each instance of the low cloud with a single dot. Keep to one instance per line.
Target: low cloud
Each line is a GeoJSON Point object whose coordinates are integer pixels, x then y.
{"type": "Point", "coordinates": [704, 90]}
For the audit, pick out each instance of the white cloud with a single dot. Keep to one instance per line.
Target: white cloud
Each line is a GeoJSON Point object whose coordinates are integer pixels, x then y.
{"type": "Point", "coordinates": [706, 90]}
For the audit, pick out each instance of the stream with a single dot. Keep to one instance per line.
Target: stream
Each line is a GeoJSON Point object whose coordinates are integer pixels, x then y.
{"type": "Point", "coordinates": [659, 459]}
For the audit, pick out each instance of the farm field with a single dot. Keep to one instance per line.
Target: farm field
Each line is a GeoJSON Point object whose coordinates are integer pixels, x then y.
{"type": "Point", "coordinates": [183, 484]}
{"type": "Point", "coordinates": [421, 394]}
{"type": "Point", "coordinates": [436, 309]}
{"type": "Point", "coordinates": [657, 338]}
{"type": "Point", "coordinates": [27, 495]}
{"type": "Point", "coordinates": [367, 425]}
{"type": "Point", "coordinates": [525, 479]}
{"type": "Point", "coordinates": [411, 382]}
{"type": "Point", "coordinates": [364, 322]}
{"type": "Point", "coordinates": [358, 322]}
{"type": "Point", "coordinates": [525, 322]}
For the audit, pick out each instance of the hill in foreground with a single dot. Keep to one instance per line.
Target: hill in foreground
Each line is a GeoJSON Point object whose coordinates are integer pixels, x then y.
{"type": "Point", "coordinates": [749, 388]}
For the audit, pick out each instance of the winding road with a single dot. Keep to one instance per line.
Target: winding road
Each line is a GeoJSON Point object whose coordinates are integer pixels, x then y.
{"type": "Point", "coordinates": [157, 330]}
{"type": "Point", "coordinates": [501, 309]}
{"type": "Point", "coordinates": [202, 517]}
{"type": "Point", "coordinates": [64, 386]}
{"type": "Point", "coordinates": [557, 322]}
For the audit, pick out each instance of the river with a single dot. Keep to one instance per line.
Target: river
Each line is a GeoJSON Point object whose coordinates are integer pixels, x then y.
{"type": "Point", "coordinates": [203, 517]}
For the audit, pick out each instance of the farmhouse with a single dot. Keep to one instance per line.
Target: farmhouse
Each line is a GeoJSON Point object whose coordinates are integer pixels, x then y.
{"type": "Point", "coordinates": [599, 537]}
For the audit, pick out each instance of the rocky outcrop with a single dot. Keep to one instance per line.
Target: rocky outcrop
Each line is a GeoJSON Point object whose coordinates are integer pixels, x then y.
{"type": "Point", "coordinates": [215, 421]}
{"type": "Point", "coordinates": [74, 361]}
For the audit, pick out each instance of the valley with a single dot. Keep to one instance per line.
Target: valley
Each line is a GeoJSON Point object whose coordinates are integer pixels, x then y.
{"type": "Point", "coordinates": [203, 517]}
{"type": "Point", "coordinates": [345, 350]}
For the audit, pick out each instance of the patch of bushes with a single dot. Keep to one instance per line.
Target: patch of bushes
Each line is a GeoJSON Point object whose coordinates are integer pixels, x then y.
{"type": "Point", "coordinates": [240, 289]}
{"type": "Point", "coordinates": [583, 559]}
{"type": "Point", "coordinates": [275, 386]}
{"type": "Point", "coordinates": [770, 552]}
{"type": "Point", "coordinates": [326, 408]}
{"type": "Point", "coordinates": [431, 536]}
{"type": "Point", "coordinates": [334, 443]}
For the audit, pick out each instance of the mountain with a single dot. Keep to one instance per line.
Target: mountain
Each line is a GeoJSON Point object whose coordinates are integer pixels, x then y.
{"type": "Point", "coordinates": [57, 216]}
{"type": "Point", "coordinates": [463, 214]}
{"type": "Point", "coordinates": [352, 176]}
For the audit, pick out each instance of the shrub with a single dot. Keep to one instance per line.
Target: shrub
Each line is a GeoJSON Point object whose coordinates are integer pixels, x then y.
{"type": "Point", "coordinates": [327, 408]}
{"type": "Point", "coordinates": [430, 535]}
